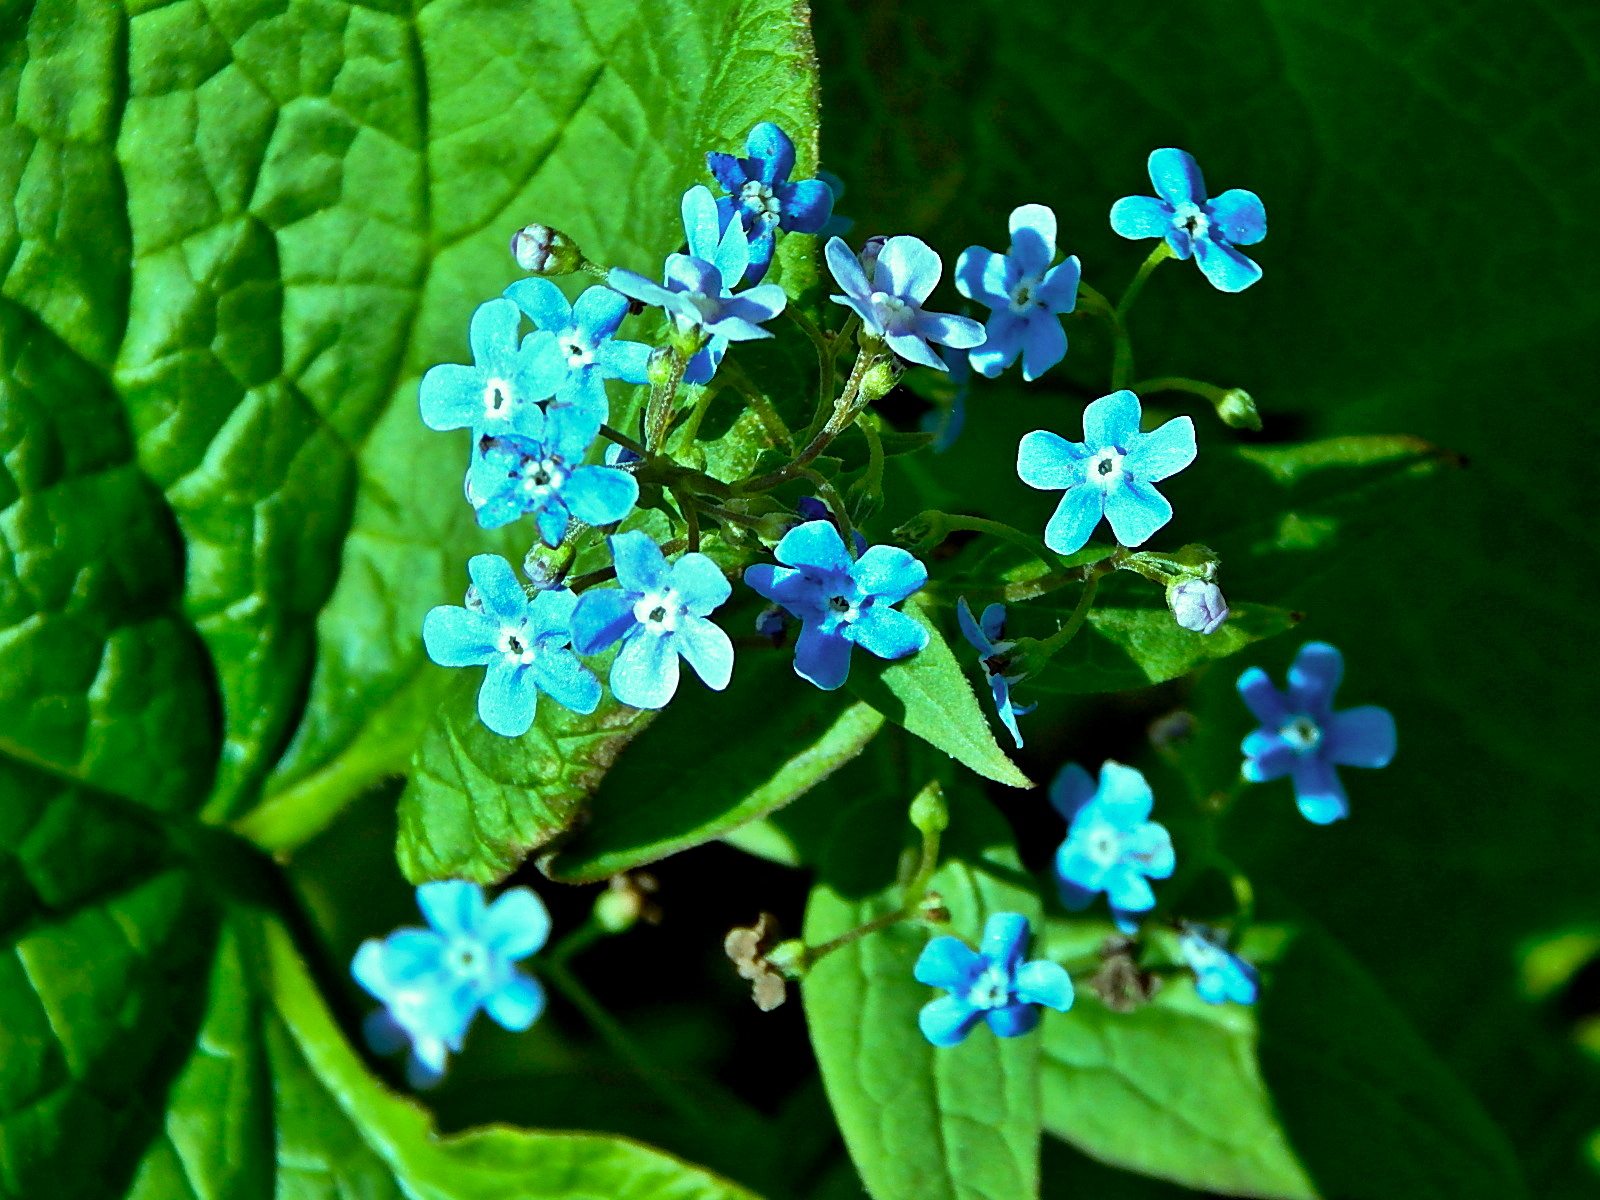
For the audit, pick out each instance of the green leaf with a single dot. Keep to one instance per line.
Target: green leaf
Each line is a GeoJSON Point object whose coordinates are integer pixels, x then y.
{"type": "Point", "coordinates": [476, 804]}
{"type": "Point", "coordinates": [921, 1123]}
{"type": "Point", "coordinates": [1172, 1089]}
{"type": "Point", "coordinates": [928, 695]}
{"type": "Point", "coordinates": [712, 763]}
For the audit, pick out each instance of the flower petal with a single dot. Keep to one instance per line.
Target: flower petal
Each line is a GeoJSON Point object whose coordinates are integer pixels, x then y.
{"type": "Point", "coordinates": [631, 283]}
{"type": "Point", "coordinates": [981, 275]}
{"type": "Point", "coordinates": [1112, 421]}
{"type": "Point", "coordinates": [1127, 889]}
{"type": "Point", "coordinates": [1013, 1020]}
{"type": "Point", "coordinates": [1045, 982]}
{"type": "Point", "coordinates": [1003, 339]}
{"type": "Point", "coordinates": [517, 1004]}
{"type": "Point", "coordinates": [1267, 759]}
{"type": "Point", "coordinates": [458, 637]}
{"type": "Point", "coordinates": [493, 332]}
{"type": "Point", "coordinates": [544, 303]}
{"type": "Point", "coordinates": [889, 573]}
{"type": "Point", "coordinates": [887, 633]}
{"type": "Point", "coordinates": [598, 314]}
{"type": "Point", "coordinates": [1318, 792]}
{"type": "Point", "coordinates": [914, 349]}
{"type": "Point", "coordinates": [1360, 737]}
{"type": "Point", "coordinates": [949, 963]}
{"type": "Point", "coordinates": [627, 361]}
{"type": "Point", "coordinates": [645, 672]}
{"type": "Point", "coordinates": [947, 1020]}
{"type": "Point", "coordinates": [498, 587]}
{"type": "Point", "coordinates": [822, 658]}
{"type": "Point", "coordinates": [815, 545]}
{"type": "Point", "coordinates": [706, 647]}
{"type": "Point", "coordinates": [1124, 797]}
{"type": "Point", "coordinates": [807, 205]}
{"type": "Point", "coordinates": [727, 170]}
{"type": "Point", "coordinates": [702, 225]}
{"type": "Point", "coordinates": [1048, 461]}
{"type": "Point", "coordinates": [700, 584]}
{"type": "Point", "coordinates": [1005, 939]}
{"type": "Point", "coordinates": [453, 907]}
{"type": "Point", "coordinates": [1141, 217]}
{"type": "Point", "coordinates": [508, 698]}
{"type": "Point", "coordinates": [1071, 790]}
{"type": "Point", "coordinates": [1163, 451]}
{"type": "Point", "coordinates": [600, 495]}
{"type": "Point", "coordinates": [1177, 177]}
{"type": "Point", "coordinates": [846, 270]}
{"type": "Point", "coordinates": [1136, 510]}
{"type": "Point", "coordinates": [1044, 345]}
{"type": "Point", "coordinates": [1074, 520]}
{"type": "Point", "coordinates": [971, 630]}
{"type": "Point", "coordinates": [1150, 846]}
{"type": "Point", "coordinates": [602, 616]}
{"type": "Point", "coordinates": [564, 679]}
{"type": "Point", "coordinates": [1229, 270]}
{"type": "Point", "coordinates": [516, 925]}
{"type": "Point", "coordinates": [771, 147]}
{"type": "Point", "coordinates": [949, 330]}
{"type": "Point", "coordinates": [1240, 215]}
{"type": "Point", "coordinates": [909, 268]}
{"type": "Point", "coordinates": [451, 396]}
{"type": "Point", "coordinates": [1033, 238]}
{"type": "Point", "coordinates": [640, 565]}
{"type": "Point", "coordinates": [1314, 677]}
{"type": "Point", "coordinates": [1058, 290]}
{"type": "Point", "coordinates": [1262, 698]}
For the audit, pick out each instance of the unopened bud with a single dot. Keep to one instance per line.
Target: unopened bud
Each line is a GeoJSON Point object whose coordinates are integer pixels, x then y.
{"type": "Point", "coordinates": [547, 569]}
{"type": "Point", "coordinates": [869, 255]}
{"type": "Point", "coordinates": [1197, 605]}
{"type": "Point", "coordinates": [771, 621]}
{"type": "Point", "coordinates": [929, 813]}
{"type": "Point", "coordinates": [545, 251]}
{"type": "Point", "coordinates": [660, 367]}
{"type": "Point", "coordinates": [879, 379]}
{"type": "Point", "coordinates": [1237, 410]}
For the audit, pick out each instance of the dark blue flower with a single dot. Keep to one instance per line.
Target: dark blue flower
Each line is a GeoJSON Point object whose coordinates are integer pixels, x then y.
{"type": "Point", "coordinates": [841, 601]}
{"type": "Point", "coordinates": [541, 472]}
{"type": "Point", "coordinates": [889, 299]}
{"type": "Point", "coordinates": [1025, 293]}
{"type": "Point", "coordinates": [1301, 736]}
{"type": "Point", "coordinates": [504, 383]}
{"type": "Point", "coordinates": [659, 612]}
{"type": "Point", "coordinates": [1219, 974]}
{"type": "Point", "coordinates": [992, 984]}
{"type": "Point", "coordinates": [1191, 224]}
{"type": "Point", "coordinates": [698, 287]}
{"type": "Point", "coordinates": [985, 638]}
{"type": "Point", "coordinates": [433, 981]}
{"type": "Point", "coordinates": [523, 642]}
{"type": "Point", "coordinates": [1109, 474]}
{"type": "Point", "coordinates": [582, 341]}
{"type": "Point", "coordinates": [1112, 845]}
{"type": "Point", "coordinates": [762, 197]}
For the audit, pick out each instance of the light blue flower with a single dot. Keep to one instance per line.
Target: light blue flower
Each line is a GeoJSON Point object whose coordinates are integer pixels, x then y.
{"type": "Point", "coordinates": [1112, 845]}
{"type": "Point", "coordinates": [1208, 229]}
{"type": "Point", "coordinates": [992, 984]}
{"type": "Point", "coordinates": [433, 981]}
{"type": "Point", "coordinates": [992, 657]}
{"type": "Point", "coordinates": [543, 473]}
{"type": "Point", "coordinates": [583, 344]}
{"type": "Point", "coordinates": [1110, 474]}
{"type": "Point", "coordinates": [698, 286]}
{"type": "Point", "coordinates": [1219, 974]}
{"type": "Point", "coordinates": [1301, 736]}
{"type": "Point", "coordinates": [1197, 605]}
{"type": "Point", "coordinates": [841, 602]}
{"type": "Point", "coordinates": [889, 299]}
{"type": "Point", "coordinates": [762, 196]}
{"type": "Point", "coordinates": [504, 383]}
{"type": "Point", "coordinates": [1026, 295]}
{"type": "Point", "coordinates": [659, 612]}
{"type": "Point", "coordinates": [523, 642]}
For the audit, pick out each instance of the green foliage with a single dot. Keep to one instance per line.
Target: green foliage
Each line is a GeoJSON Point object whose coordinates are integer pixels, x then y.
{"type": "Point", "coordinates": [921, 1123]}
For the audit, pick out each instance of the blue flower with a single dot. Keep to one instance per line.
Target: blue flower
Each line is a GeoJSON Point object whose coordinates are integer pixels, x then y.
{"type": "Point", "coordinates": [811, 508]}
{"type": "Point", "coordinates": [1026, 293]}
{"type": "Point", "coordinates": [889, 300]}
{"type": "Point", "coordinates": [985, 637]}
{"type": "Point", "coordinates": [762, 196]}
{"type": "Point", "coordinates": [1219, 974]}
{"type": "Point", "coordinates": [433, 981]}
{"type": "Point", "coordinates": [993, 984]}
{"type": "Point", "coordinates": [1112, 846]}
{"type": "Point", "coordinates": [1301, 736]}
{"type": "Point", "coordinates": [698, 286]}
{"type": "Point", "coordinates": [841, 602]}
{"type": "Point", "coordinates": [541, 472]}
{"type": "Point", "coordinates": [504, 383]}
{"type": "Point", "coordinates": [523, 643]}
{"type": "Point", "coordinates": [1208, 229]}
{"type": "Point", "coordinates": [581, 340]}
{"type": "Point", "coordinates": [659, 612]}
{"type": "Point", "coordinates": [1109, 474]}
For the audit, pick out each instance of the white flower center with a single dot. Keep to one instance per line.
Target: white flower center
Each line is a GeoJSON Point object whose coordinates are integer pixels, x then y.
{"type": "Point", "coordinates": [659, 611]}
{"type": "Point", "coordinates": [1189, 217]}
{"type": "Point", "coordinates": [467, 958]}
{"type": "Point", "coordinates": [758, 198]}
{"type": "Point", "coordinates": [1103, 846]}
{"type": "Point", "coordinates": [992, 989]}
{"type": "Point", "coordinates": [1302, 734]}
{"type": "Point", "coordinates": [1105, 468]}
{"type": "Point", "coordinates": [1022, 296]}
{"type": "Point", "coordinates": [894, 314]}
{"type": "Point", "coordinates": [496, 398]}
{"type": "Point", "coordinates": [515, 645]}
{"type": "Point", "coordinates": [541, 476]}
{"type": "Point", "coordinates": [842, 610]}
{"type": "Point", "coordinates": [709, 307]}
{"type": "Point", "coordinates": [577, 355]}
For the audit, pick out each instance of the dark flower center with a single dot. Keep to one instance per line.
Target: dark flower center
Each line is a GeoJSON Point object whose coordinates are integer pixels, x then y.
{"type": "Point", "coordinates": [839, 604]}
{"type": "Point", "coordinates": [1106, 466]}
{"type": "Point", "coordinates": [513, 643]}
{"type": "Point", "coordinates": [658, 613]}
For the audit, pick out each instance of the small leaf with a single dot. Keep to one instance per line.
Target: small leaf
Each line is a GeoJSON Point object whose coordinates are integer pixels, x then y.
{"type": "Point", "coordinates": [921, 1123]}
{"type": "Point", "coordinates": [928, 695]}
{"type": "Point", "coordinates": [476, 804]}
{"type": "Point", "coordinates": [712, 763]}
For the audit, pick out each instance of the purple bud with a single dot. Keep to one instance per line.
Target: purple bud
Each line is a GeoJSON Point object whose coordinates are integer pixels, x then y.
{"type": "Point", "coordinates": [1197, 604]}
{"type": "Point", "coordinates": [869, 255]}
{"type": "Point", "coordinates": [771, 621]}
{"type": "Point", "coordinates": [545, 251]}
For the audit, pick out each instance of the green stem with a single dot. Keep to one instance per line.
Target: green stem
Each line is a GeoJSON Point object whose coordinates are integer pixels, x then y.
{"type": "Point", "coordinates": [775, 426]}
{"type": "Point", "coordinates": [691, 517]}
{"type": "Point", "coordinates": [690, 429]}
{"type": "Point", "coordinates": [949, 523]}
{"type": "Point", "coordinates": [621, 439]}
{"type": "Point", "coordinates": [872, 482]}
{"type": "Point", "coordinates": [1176, 383]}
{"type": "Point", "coordinates": [658, 413]}
{"type": "Point", "coordinates": [827, 362]}
{"type": "Point", "coordinates": [1159, 255]}
{"type": "Point", "coordinates": [844, 411]}
{"type": "Point", "coordinates": [1053, 644]}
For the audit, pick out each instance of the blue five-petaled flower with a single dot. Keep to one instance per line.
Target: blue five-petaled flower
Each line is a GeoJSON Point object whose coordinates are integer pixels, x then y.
{"type": "Point", "coordinates": [580, 339]}
{"type": "Point", "coordinates": [659, 612]}
{"type": "Point", "coordinates": [523, 642]}
{"type": "Point", "coordinates": [841, 601]}
{"type": "Point", "coordinates": [1191, 224]}
{"type": "Point", "coordinates": [888, 294]}
{"type": "Point", "coordinates": [433, 981]}
{"type": "Point", "coordinates": [1112, 845]}
{"type": "Point", "coordinates": [1220, 975]}
{"type": "Point", "coordinates": [1301, 736]}
{"type": "Point", "coordinates": [992, 984]}
{"type": "Point", "coordinates": [762, 197]}
{"type": "Point", "coordinates": [1025, 293]}
{"type": "Point", "coordinates": [503, 386]}
{"type": "Point", "coordinates": [1110, 474]}
{"type": "Point", "coordinates": [984, 634]}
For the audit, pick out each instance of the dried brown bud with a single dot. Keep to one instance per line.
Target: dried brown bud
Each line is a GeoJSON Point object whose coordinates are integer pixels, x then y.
{"type": "Point", "coordinates": [746, 948]}
{"type": "Point", "coordinates": [1121, 984]}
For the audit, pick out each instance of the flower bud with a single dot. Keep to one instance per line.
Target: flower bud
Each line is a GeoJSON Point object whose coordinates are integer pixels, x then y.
{"type": "Point", "coordinates": [929, 813]}
{"type": "Point", "coordinates": [869, 255]}
{"type": "Point", "coordinates": [1197, 604]}
{"type": "Point", "coordinates": [771, 621]}
{"type": "Point", "coordinates": [879, 379]}
{"type": "Point", "coordinates": [1237, 410]}
{"type": "Point", "coordinates": [545, 251]}
{"type": "Point", "coordinates": [659, 369]}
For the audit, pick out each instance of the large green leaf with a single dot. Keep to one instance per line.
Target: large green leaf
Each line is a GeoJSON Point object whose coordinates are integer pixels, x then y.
{"type": "Point", "coordinates": [921, 1123]}
{"type": "Point", "coordinates": [928, 695]}
{"type": "Point", "coordinates": [713, 763]}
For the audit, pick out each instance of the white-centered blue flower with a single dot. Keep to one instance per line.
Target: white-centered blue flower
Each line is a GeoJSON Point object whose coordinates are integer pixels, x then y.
{"type": "Point", "coordinates": [432, 982]}
{"type": "Point", "coordinates": [762, 197]}
{"type": "Point", "coordinates": [1193, 225]}
{"type": "Point", "coordinates": [991, 984]}
{"type": "Point", "coordinates": [1026, 293]}
{"type": "Point", "coordinates": [1220, 975]}
{"type": "Point", "coordinates": [888, 295]}
{"type": "Point", "coordinates": [1110, 474]}
{"type": "Point", "coordinates": [503, 386]}
{"type": "Point", "coordinates": [1112, 845]}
